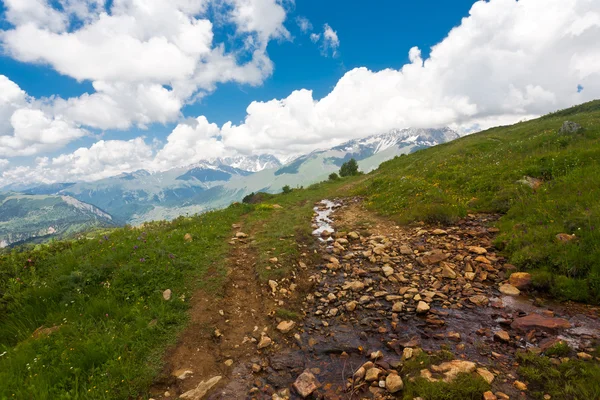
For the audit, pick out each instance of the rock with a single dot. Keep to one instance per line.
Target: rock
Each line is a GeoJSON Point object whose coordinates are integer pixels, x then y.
{"type": "Point", "coordinates": [486, 375]}
{"type": "Point", "coordinates": [520, 386]}
{"type": "Point", "coordinates": [434, 257]}
{"type": "Point", "coordinates": [477, 250]}
{"type": "Point", "coordinates": [286, 326]}
{"type": "Point", "coordinates": [393, 383]}
{"type": "Point", "coordinates": [439, 232]}
{"type": "Point", "coordinates": [354, 285]}
{"type": "Point", "coordinates": [182, 374]}
{"type": "Point", "coordinates": [354, 235]}
{"type": "Point", "coordinates": [387, 271]}
{"type": "Point", "coordinates": [277, 207]}
{"type": "Point", "coordinates": [451, 369]}
{"type": "Point", "coordinates": [489, 396]}
{"type": "Point", "coordinates": [167, 294]}
{"type": "Point", "coordinates": [200, 391]}
{"type": "Point", "coordinates": [360, 373]}
{"type": "Point", "coordinates": [241, 235]}
{"type": "Point", "coordinates": [565, 237]}
{"type": "Point", "coordinates": [256, 368]}
{"type": "Point", "coordinates": [533, 183]}
{"type": "Point", "coordinates": [502, 336]}
{"type": "Point", "coordinates": [569, 128]}
{"type": "Point", "coordinates": [520, 280]}
{"type": "Point", "coordinates": [305, 384]}
{"type": "Point", "coordinates": [41, 331]}
{"type": "Point", "coordinates": [509, 290]}
{"type": "Point", "coordinates": [422, 307]}
{"type": "Point", "coordinates": [372, 374]}
{"type": "Point", "coordinates": [479, 300]}
{"type": "Point", "coordinates": [273, 285]}
{"type": "Point", "coordinates": [406, 250]}
{"type": "Point", "coordinates": [397, 307]}
{"type": "Point", "coordinates": [537, 321]}
{"type": "Point", "coordinates": [351, 306]}
{"type": "Point", "coordinates": [265, 341]}
{"type": "Point", "coordinates": [585, 356]}
{"type": "Point", "coordinates": [469, 276]}
{"type": "Point", "coordinates": [407, 353]}
{"type": "Point", "coordinates": [228, 363]}
{"type": "Point", "coordinates": [187, 237]}
{"type": "Point", "coordinates": [273, 260]}
{"type": "Point", "coordinates": [448, 272]}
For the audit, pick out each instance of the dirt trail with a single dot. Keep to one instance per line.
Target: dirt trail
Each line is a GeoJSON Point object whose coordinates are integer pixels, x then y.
{"type": "Point", "coordinates": [377, 292]}
{"type": "Point", "coordinates": [220, 339]}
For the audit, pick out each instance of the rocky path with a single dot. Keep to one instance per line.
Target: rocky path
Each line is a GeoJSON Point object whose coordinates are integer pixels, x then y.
{"type": "Point", "coordinates": [378, 297]}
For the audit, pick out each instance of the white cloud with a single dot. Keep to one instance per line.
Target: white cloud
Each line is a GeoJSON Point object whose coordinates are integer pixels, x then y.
{"type": "Point", "coordinates": [146, 59]}
{"type": "Point", "coordinates": [315, 37]}
{"type": "Point", "coordinates": [304, 24]}
{"type": "Point", "coordinates": [331, 42]}
{"type": "Point", "coordinates": [4, 163]}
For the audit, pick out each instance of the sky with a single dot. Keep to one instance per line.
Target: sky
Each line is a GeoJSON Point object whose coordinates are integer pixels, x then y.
{"type": "Point", "coordinates": [93, 88]}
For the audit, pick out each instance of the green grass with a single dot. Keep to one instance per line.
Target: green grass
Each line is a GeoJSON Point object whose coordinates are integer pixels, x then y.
{"type": "Point", "coordinates": [571, 380]}
{"type": "Point", "coordinates": [479, 173]}
{"type": "Point", "coordinates": [105, 295]}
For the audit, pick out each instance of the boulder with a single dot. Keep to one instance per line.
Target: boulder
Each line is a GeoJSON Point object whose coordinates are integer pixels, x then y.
{"type": "Point", "coordinates": [486, 375]}
{"type": "Point", "coordinates": [479, 300]}
{"type": "Point", "coordinates": [489, 396]}
{"type": "Point", "coordinates": [520, 280]}
{"type": "Point", "coordinates": [569, 128]}
{"type": "Point", "coordinates": [422, 307]}
{"type": "Point", "coordinates": [509, 290]}
{"type": "Point", "coordinates": [537, 321]}
{"type": "Point", "coordinates": [286, 326]}
{"type": "Point", "coordinates": [372, 374]}
{"type": "Point", "coordinates": [393, 383]}
{"type": "Point", "coordinates": [451, 369]}
{"type": "Point", "coordinates": [502, 336]}
{"type": "Point", "coordinates": [265, 341]}
{"type": "Point", "coordinates": [306, 384]}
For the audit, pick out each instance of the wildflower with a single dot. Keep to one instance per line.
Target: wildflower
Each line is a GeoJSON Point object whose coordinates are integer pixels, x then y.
{"type": "Point", "coordinates": [3, 354]}
{"type": "Point", "coordinates": [135, 247]}
{"type": "Point", "coordinates": [142, 259]}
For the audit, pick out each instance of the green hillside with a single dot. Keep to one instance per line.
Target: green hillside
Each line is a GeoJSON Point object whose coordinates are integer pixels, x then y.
{"type": "Point", "coordinates": [99, 301]}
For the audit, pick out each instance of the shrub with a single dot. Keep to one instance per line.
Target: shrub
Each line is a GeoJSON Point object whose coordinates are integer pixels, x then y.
{"type": "Point", "coordinates": [287, 189]}
{"type": "Point", "coordinates": [334, 177]}
{"type": "Point", "coordinates": [349, 168]}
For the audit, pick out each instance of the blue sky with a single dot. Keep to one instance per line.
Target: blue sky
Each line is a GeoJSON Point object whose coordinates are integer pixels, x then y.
{"type": "Point", "coordinates": [155, 84]}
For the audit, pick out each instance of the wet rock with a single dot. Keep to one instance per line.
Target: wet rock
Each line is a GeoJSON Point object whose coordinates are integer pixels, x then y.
{"type": "Point", "coordinates": [306, 384]}
{"type": "Point", "coordinates": [479, 300]}
{"type": "Point", "coordinates": [167, 294]}
{"type": "Point", "coordinates": [502, 336]}
{"type": "Point", "coordinates": [489, 396]}
{"type": "Point", "coordinates": [200, 391]}
{"type": "Point", "coordinates": [286, 326]}
{"type": "Point", "coordinates": [537, 321]}
{"type": "Point", "coordinates": [393, 383]}
{"type": "Point", "coordinates": [422, 307]}
{"type": "Point", "coordinates": [264, 342]}
{"type": "Point", "coordinates": [372, 374]}
{"type": "Point", "coordinates": [509, 290]}
{"type": "Point", "coordinates": [520, 386]}
{"type": "Point", "coordinates": [486, 375]}
{"type": "Point", "coordinates": [520, 280]}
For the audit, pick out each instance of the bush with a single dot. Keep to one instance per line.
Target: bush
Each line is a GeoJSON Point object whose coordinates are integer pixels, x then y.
{"type": "Point", "coordinates": [349, 168]}
{"type": "Point", "coordinates": [287, 189]}
{"type": "Point", "coordinates": [334, 177]}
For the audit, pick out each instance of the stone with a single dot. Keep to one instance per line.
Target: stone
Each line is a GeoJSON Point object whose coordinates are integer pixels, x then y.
{"type": "Point", "coordinates": [393, 383]}
{"type": "Point", "coordinates": [351, 306]}
{"type": "Point", "coordinates": [273, 260]}
{"type": "Point", "coordinates": [265, 341]}
{"type": "Point", "coordinates": [354, 235]}
{"type": "Point", "coordinates": [387, 271]}
{"type": "Point", "coordinates": [489, 396]}
{"type": "Point", "coordinates": [228, 363]}
{"type": "Point", "coordinates": [422, 307]}
{"type": "Point", "coordinates": [469, 276]}
{"type": "Point", "coordinates": [584, 356]}
{"type": "Point", "coordinates": [486, 375]}
{"type": "Point", "coordinates": [520, 386]}
{"type": "Point", "coordinates": [451, 369]}
{"type": "Point", "coordinates": [187, 237]}
{"type": "Point", "coordinates": [477, 250]}
{"type": "Point", "coordinates": [434, 257]}
{"type": "Point", "coordinates": [167, 294]}
{"type": "Point", "coordinates": [273, 285]}
{"type": "Point", "coordinates": [201, 390]}
{"type": "Point", "coordinates": [397, 307]}
{"type": "Point", "coordinates": [407, 353]}
{"type": "Point", "coordinates": [183, 374]}
{"type": "Point", "coordinates": [520, 280]}
{"type": "Point", "coordinates": [569, 128]}
{"type": "Point", "coordinates": [565, 237]}
{"type": "Point", "coordinates": [241, 235]}
{"type": "Point", "coordinates": [439, 232]}
{"type": "Point", "coordinates": [354, 286]}
{"type": "Point", "coordinates": [286, 326]}
{"type": "Point", "coordinates": [306, 384]}
{"type": "Point", "coordinates": [360, 373]}
{"type": "Point", "coordinates": [405, 250]}
{"type": "Point", "coordinates": [448, 272]}
{"type": "Point", "coordinates": [509, 290]}
{"type": "Point", "coordinates": [479, 300]}
{"type": "Point", "coordinates": [537, 321]}
{"type": "Point", "coordinates": [256, 368]}
{"type": "Point", "coordinates": [372, 374]}
{"type": "Point", "coordinates": [502, 336]}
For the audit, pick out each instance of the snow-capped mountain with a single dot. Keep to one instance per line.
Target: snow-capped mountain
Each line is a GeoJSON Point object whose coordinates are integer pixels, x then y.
{"type": "Point", "coordinates": [251, 163]}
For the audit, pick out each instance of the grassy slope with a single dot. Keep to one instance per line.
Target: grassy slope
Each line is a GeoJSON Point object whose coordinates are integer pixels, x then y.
{"type": "Point", "coordinates": [479, 173]}
{"type": "Point", "coordinates": [111, 336]}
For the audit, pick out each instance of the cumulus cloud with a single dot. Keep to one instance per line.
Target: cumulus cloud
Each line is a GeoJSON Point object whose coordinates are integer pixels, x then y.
{"type": "Point", "coordinates": [507, 61]}
{"type": "Point", "coordinates": [331, 42]}
{"type": "Point", "coordinates": [146, 60]}
{"type": "Point", "coordinates": [304, 24]}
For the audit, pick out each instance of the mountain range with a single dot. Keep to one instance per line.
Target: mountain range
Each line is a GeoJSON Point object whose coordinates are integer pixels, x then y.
{"type": "Point", "coordinates": [140, 196]}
